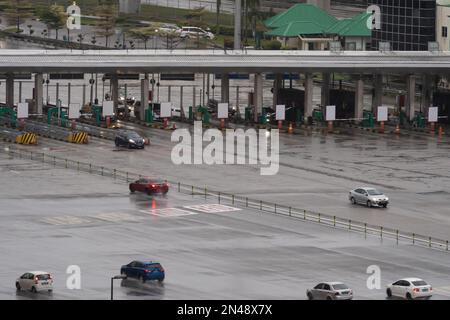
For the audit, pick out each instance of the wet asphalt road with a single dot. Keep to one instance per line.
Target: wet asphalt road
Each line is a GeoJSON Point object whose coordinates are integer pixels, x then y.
{"type": "Point", "coordinates": [53, 218]}
{"type": "Point", "coordinates": [316, 172]}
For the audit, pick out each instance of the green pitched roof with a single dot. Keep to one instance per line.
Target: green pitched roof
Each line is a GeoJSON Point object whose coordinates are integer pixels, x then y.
{"type": "Point", "coordinates": [294, 29]}
{"type": "Point", "coordinates": [301, 12]}
{"type": "Point", "coordinates": [354, 27]}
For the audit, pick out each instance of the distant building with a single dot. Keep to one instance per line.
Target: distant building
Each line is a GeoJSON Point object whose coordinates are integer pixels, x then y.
{"type": "Point", "coordinates": [408, 25]}
{"type": "Point", "coordinates": [129, 6]}
{"type": "Point", "coordinates": [307, 27]}
{"type": "Point", "coordinates": [443, 24]}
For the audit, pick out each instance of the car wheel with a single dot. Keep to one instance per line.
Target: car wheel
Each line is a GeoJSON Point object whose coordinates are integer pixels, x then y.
{"type": "Point", "coordinates": [117, 143]}
{"type": "Point", "coordinates": [149, 192]}
{"type": "Point", "coordinates": [50, 290]}
{"type": "Point", "coordinates": [18, 286]}
{"type": "Point", "coordinates": [385, 206]}
{"type": "Point", "coordinates": [310, 296]}
{"type": "Point", "coordinates": [408, 296]}
{"type": "Point", "coordinates": [132, 190]}
{"type": "Point", "coordinates": [389, 293]}
{"type": "Point", "coordinates": [369, 204]}
{"type": "Point", "coordinates": [33, 289]}
{"type": "Point", "coordinates": [352, 200]}
{"type": "Point", "coordinates": [329, 298]}
{"type": "Point", "coordinates": [143, 280]}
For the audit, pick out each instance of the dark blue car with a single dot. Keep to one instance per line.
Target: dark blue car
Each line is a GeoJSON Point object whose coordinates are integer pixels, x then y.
{"type": "Point", "coordinates": [143, 270]}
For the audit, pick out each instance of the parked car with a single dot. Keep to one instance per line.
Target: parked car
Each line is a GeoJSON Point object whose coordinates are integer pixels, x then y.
{"type": "Point", "coordinates": [169, 28]}
{"type": "Point", "coordinates": [149, 186]}
{"type": "Point", "coordinates": [194, 32]}
{"type": "Point", "coordinates": [330, 291]}
{"type": "Point", "coordinates": [143, 271]}
{"type": "Point", "coordinates": [370, 197]}
{"type": "Point", "coordinates": [129, 139]}
{"type": "Point", "coordinates": [410, 288]}
{"type": "Point", "coordinates": [35, 281]}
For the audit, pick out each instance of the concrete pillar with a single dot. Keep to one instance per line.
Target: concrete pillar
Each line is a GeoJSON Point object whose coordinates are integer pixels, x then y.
{"type": "Point", "coordinates": [258, 98]}
{"type": "Point", "coordinates": [181, 102]}
{"type": "Point", "coordinates": [237, 102]}
{"type": "Point", "coordinates": [410, 96]}
{"type": "Point", "coordinates": [237, 24]}
{"type": "Point", "coordinates": [39, 91]}
{"type": "Point", "coordinates": [145, 86]}
{"type": "Point", "coordinates": [277, 83]}
{"type": "Point", "coordinates": [10, 90]}
{"type": "Point", "coordinates": [69, 93]}
{"type": "Point", "coordinates": [57, 92]}
{"type": "Point", "coordinates": [377, 99]}
{"type": "Point", "coordinates": [225, 88]}
{"type": "Point", "coordinates": [20, 91]}
{"type": "Point", "coordinates": [309, 86]}
{"type": "Point", "coordinates": [84, 94]}
{"type": "Point", "coordinates": [325, 90]}
{"type": "Point", "coordinates": [359, 98]}
{"type": "Point", "coordinates": [193, 97]}
{"type": "Point", "coordinates": [169, 93]}
{"type": "Point", "coordinates": [208, 86]}
{"type": "Point", "coordinates": [115, 91]}
{"type": "Point", "coordinates": [426, 93]}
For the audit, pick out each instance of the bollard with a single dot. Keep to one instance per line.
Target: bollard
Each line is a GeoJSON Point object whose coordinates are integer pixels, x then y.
{"type": "Point", "coordinates": [349, 224]}
{"type": "Point", "coordinates": [290, 211]}
{"type": "Point", "coordinates": [381, 232]}
{"type": "Point", "coordinates": [334, 221]}
{"type": "Point", "coordinates": [192, 190]}
{"type": "Point", "coordinates": [429, 242]}
{"type": "Point", "coordinates": [446, 245]}
{"type": "Point", "coordinates": [90, 167]}
{"type": "Point", "coordinates": [78, 165]}
{"type": "Point", "coordinates": [54, 161]}
{"type": "Point", "coordinates": [31, 155]}
{"type": "Point", "coordinates": [365, 228]}
{"type": "Point", "coordinates": [413, 238]}
{"type": "Point", "coordinates": [304, 214]}
{"type": "Point", "coordinates": [114, 174]}
{"type": "Point", "coordinates": [246, 202]}
{"type": "Point", "coordinates": [205, 192]}
{"type": "Point", "coordinates": [260, 205]}
{"type": "Point", "coordinates": [232, 198]}
{"type": "Point", "coordinates": [179, 187]}
{"type": "Point", "coordinates": [127, 175]}
{"type": "Point", "coordinates": [319, 217]}
{"type": "Point", "coordinates": [43, 158]}
{"type": "Point", "coordinates": [397, 236]}
{"type": "Point", "coordinates": [66, 163]}
{"type": "Point", "coordinates": [102, 170]}
{"type": "Point", "coordinates": [219, 197]}
{"type": "Point", "coordinates": [275, 208]}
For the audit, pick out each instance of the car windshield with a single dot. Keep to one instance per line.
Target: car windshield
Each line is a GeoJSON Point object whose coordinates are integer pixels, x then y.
{"type": "Point", "coordinates": [374, 192]}
{"type": "Point", "coordinates": [133, 135]}
{"type": "Point", "coordinates": [419, 283]}
{"type": "Point", "coordinates": [340, 286]}
{"type": "Point", "coordinates": [43, 277]}
{"type": "Point", "coordinates": [153, 266]}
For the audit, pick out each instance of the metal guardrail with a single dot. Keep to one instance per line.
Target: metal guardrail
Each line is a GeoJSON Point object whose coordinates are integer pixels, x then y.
{"type": "Point", "coordinates": [263, 206]}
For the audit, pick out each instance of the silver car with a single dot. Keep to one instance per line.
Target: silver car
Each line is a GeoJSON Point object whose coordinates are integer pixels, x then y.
{"type": "Point", "coordinates": [370, 197]}
{"type": "Point", "coordinates": [330, 291]}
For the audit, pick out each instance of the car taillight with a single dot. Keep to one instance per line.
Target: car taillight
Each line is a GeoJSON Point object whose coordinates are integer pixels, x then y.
{"type": "Point", "coordinates": [153, 185]}
{"type": "Point", "coordinates": [146, 270]}
{"type": "Point", "coordinates": [36, 280]}
{"type": "Point", "coordinates": [431, 289]}
{"type": "Point", "coordinates": [337, 293]}
{"type": "Point", "coordinates": [416, 290]}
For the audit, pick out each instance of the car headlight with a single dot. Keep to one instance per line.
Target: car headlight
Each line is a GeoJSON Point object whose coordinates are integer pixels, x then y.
{"type": "Point", "coordinates": [131, 141]}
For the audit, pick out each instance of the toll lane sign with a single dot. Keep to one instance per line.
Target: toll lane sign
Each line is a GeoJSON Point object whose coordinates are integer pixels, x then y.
{"type": "Point", "coordinates": [280, 112]}
{"type": "Point", "coordinates": [382, 114]}
{"type": "Point", "coordinates": [433, 114]}
{"type": "Point", "coordinates": [330, 114]}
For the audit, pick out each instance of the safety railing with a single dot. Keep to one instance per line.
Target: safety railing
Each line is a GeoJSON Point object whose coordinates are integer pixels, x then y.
{"type": "Point", "coordinates": [245, 202]}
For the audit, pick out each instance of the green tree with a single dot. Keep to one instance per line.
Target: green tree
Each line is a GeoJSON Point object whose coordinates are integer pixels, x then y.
{"type": "Point", "coordinates": [107, 22]}
{"type": "Point", "coordinates": [251, 15]}
{"type": "Point", "coordinates": [143, 34]}
{"type": "Point", "coordinates": [17, 11]}
{"type": "Point", "coordinates": [218, 5]}
{"type": "Point", "coordinates": [54, 17]}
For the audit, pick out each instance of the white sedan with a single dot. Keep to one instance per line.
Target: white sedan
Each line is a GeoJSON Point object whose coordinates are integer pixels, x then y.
{"type": "Point", "coordinates": [35, 281]}
{"type": "Point", "coordinates": [409, 288]}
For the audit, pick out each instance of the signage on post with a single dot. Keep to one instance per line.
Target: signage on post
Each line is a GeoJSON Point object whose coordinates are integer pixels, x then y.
{"type": "Point", "coordinates": [330, 113]}
{"type": "Point", "coordinates": [222, 111]}
{"type": "Point", "coordinates": [280, 113]}
{"type": "Point", "coordinates": [382, 114]}
{"type": "Point", "coordinates": [433, 114]}
{"type": "Point", "coordinates": [166, 110]}
{"type": "Point", "coordinates": [108, 108]}
{"type": "Point", "coordinates": [22, 110]}
{"type": "Point", "coordinates": [74, 111]}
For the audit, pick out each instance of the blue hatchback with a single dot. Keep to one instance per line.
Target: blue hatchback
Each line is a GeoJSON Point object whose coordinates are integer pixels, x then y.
{"type": "Point", "coordinates": [143, 270]}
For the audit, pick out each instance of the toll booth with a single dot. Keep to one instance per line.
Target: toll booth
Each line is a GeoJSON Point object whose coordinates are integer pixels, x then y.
{"type": "Point", "coordinates": [344, 100]}
{"type": "Point", "coordinates": [294, 100]}
{"type": "Point", "coordinates": [441, 99]}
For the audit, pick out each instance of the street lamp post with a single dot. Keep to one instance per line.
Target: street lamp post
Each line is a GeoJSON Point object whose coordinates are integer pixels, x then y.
{"type": "Point", "coordinates": [120, 277]}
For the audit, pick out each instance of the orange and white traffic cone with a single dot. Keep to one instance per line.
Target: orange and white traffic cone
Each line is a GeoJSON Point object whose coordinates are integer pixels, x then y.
{"type": "Point", "coordinates": [330, 126]}
{"type": "Point", "coordinates": [381, 127]}
{"type": "Point", "coordinates": [290, 128]}
{"type": "Point", "coordinates": [441, 131]}
{"type": "Point", "coordinates": [174, 126]}
{"type": "Point", "coordinates": [397, 129]}
{"type": "Point", "coordinates": [433, 128]}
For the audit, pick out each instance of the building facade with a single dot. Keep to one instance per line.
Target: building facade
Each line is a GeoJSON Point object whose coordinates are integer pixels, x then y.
{"type": "Point", "coordinates": [443, 24]}
{"type": "Point", "coordinates": [408, 25]}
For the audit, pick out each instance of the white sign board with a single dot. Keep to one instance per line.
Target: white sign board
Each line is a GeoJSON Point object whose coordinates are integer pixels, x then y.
{"type": "Point", "coordinates": [433, 114]}
{"type": "Point", "coordinates": [74, 111]}
{"type": "Point", "coordinates": [280, 114]}
{"type": "Point", "coordinates": [108, 108]}
{"type": "Point", "coordinates": [222, 111]}
{"type": "Point", "coordinates": [382, 114]}
{"type": "Point", "coordinates": [166, 110]}
{"type": "Point", "coordinates": [22, 110]}
{"type": "Point", "coordinates": [330, 113]}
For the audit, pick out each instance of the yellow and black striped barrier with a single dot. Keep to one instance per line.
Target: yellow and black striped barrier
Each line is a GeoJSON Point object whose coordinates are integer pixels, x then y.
{"type": "Point", "coordinates": [78, 137]}
{"type": "Point", "coordinates": [26, 138]}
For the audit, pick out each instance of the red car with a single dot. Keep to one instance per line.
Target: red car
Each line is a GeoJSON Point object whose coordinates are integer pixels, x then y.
{"type": "Point", "coordinates": [149, 186]}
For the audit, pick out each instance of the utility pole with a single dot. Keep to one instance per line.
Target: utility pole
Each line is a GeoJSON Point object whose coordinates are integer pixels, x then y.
{"type": "Point", "coordinates": [237, 25]}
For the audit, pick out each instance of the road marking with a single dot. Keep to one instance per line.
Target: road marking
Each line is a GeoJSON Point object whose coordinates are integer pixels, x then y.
{"type": "Point", "coordinates": [117, 217]}
{"type": "Point", "coordinates": [65, 220]}
{"type": "Point", "coordinates": [212, 208]}
{"type": "Point", "coordinates": [168, 212]}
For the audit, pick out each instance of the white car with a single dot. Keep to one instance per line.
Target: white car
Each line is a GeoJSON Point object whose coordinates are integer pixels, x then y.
{"type": "Point", "coordinates": [370, 197]}
{"type": "Point", "coordinates": [35, 281]}
{"type": "Point", "coordinates": [169, 28]}
{"type": "Point", "coordinates": [193, 32]}
{"type": "Point", "coordinates": [409, 288]}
